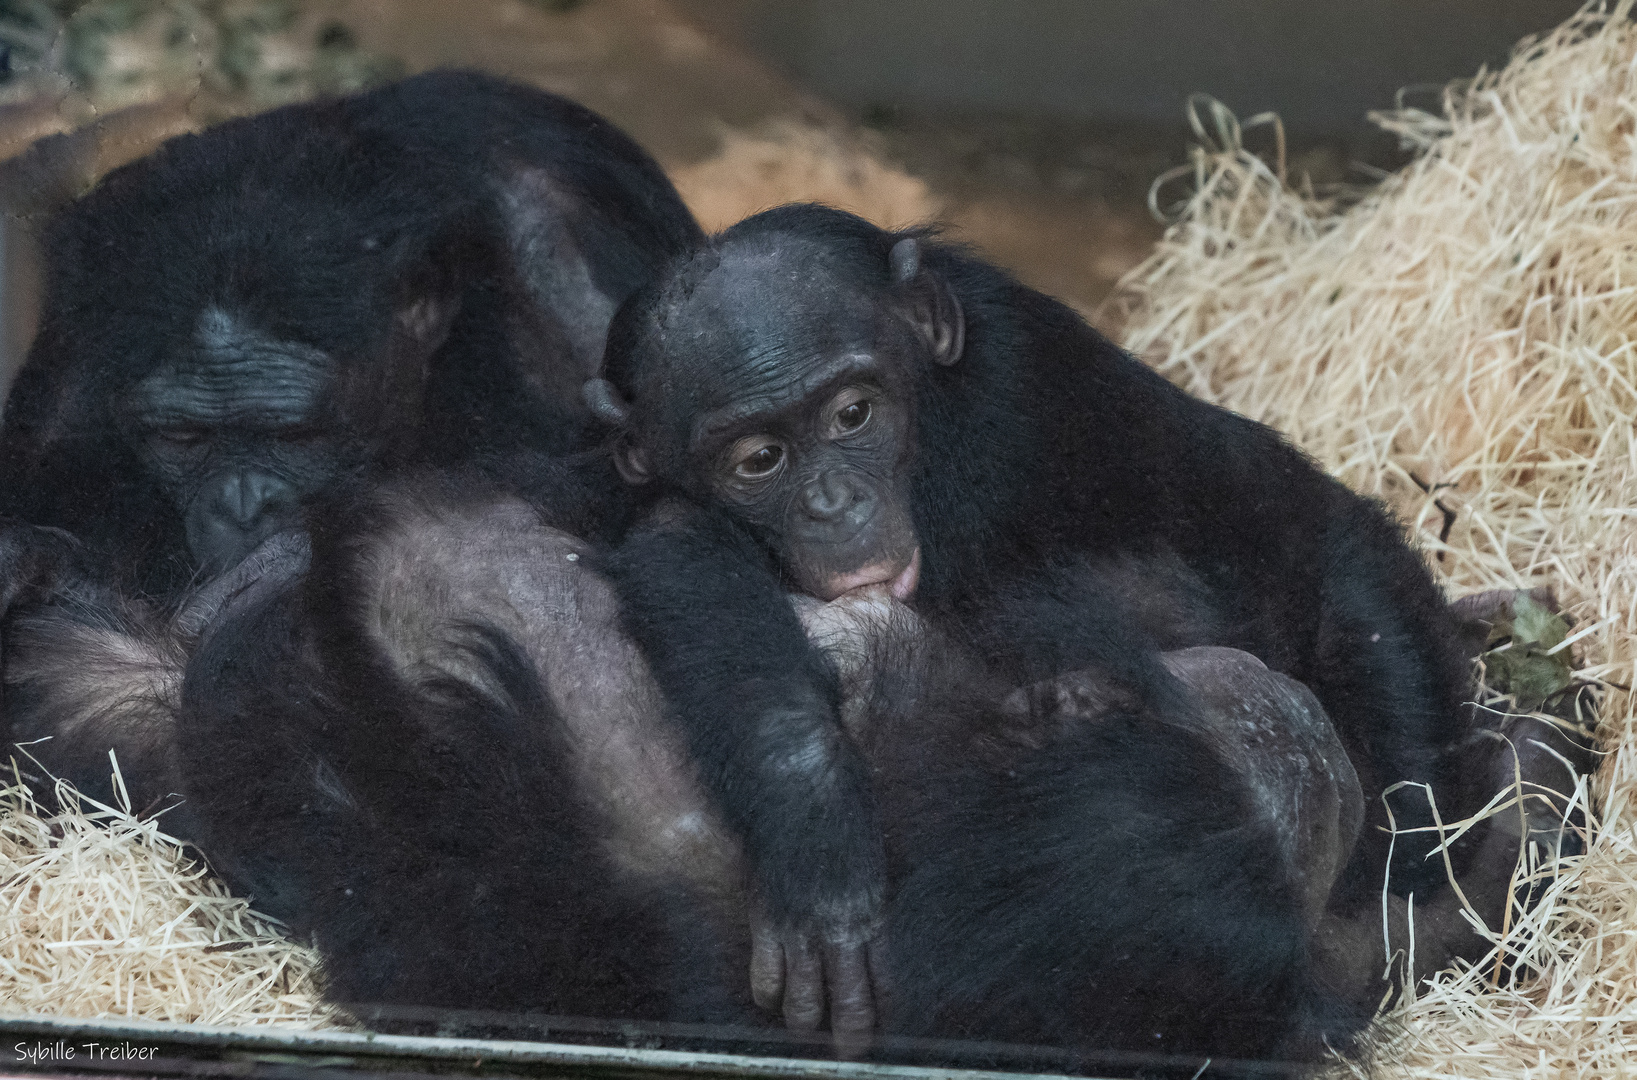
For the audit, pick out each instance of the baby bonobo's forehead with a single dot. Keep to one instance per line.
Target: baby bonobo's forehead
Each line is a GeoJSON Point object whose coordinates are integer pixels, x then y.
{"type": "Point", "coordinates": [769, 316]}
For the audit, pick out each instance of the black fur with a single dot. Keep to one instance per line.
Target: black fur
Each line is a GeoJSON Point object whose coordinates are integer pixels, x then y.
{"type": "Point", "coordinates": [431, 266]}
{"type": "Point", "coordinates": [427, 820]}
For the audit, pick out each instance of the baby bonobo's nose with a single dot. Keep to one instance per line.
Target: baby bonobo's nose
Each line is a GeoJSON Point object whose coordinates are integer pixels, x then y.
{"type": "Point", "coordinates": [827, 498]}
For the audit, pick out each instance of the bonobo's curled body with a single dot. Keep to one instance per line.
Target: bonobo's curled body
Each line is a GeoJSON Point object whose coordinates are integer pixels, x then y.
{"type": "Point", "coordinates": [437, 752]}
{"type": "Point", "coordinates": [439, 755]}
{"type": "Point", "coordinates": [813, 403]}
{"type": "Point", "coordinates": [421, 273]}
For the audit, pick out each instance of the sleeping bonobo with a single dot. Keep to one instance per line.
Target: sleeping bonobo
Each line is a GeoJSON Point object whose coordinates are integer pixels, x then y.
{"type": "Point", "coordinates": [440, 756]}
{"type": "Point", "coordinates": [423, 273]}
{"type": "Point", "coordinates": [817, 404]}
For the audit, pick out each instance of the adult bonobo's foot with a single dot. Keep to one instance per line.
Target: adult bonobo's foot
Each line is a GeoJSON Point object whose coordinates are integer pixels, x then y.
{"type": "Point", "coordinates": [1533, 721]}
{"type": "Point", "coordinates": [1271, 731]}
{"type": "Point", "coordinates": [1266, 729]}
{"type": "Point", "coordinates": [36, 564]}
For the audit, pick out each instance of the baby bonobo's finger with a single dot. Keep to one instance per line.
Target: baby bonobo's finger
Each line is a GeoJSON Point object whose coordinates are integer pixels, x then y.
{"type": "Point", "coordinates": [852, 999]}
{"type": "Point", "coordinates": [803, 985]}
{"type": "Point", "coordinates": [766, 966]}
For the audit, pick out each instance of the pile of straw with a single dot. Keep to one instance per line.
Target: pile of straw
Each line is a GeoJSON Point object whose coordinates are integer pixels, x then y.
{"type": "Point", "coordinates": [1467, 326]}
{"type": "Point", "coordinates": [103, 915]}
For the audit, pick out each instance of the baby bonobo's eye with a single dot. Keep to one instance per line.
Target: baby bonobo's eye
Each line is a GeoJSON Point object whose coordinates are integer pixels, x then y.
{"type": "Point", "coordinates": [852, 411]}
{"type": "Point", "coordinates": [853, 416]}
{"type": "Point", "coordinates": [757, 459]}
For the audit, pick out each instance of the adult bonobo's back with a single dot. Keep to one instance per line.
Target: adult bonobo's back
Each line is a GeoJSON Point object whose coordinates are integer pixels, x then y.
{"type": "Point", "coordinates": [425, 271]}
{"type": "Point", "coordinates": [831, 406]}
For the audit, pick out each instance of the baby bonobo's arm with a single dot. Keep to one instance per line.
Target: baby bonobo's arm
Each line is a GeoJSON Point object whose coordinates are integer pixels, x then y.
{"type": "Point", "coordinates": [760, 711]}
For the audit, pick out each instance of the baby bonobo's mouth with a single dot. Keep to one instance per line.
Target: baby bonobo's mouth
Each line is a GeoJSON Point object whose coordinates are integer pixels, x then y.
{"type": "Point", "coordinates": [900, 579]}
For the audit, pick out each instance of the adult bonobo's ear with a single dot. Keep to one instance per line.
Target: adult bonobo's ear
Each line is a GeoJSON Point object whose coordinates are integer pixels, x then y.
{"type": "Point", "coordinates": [608, 405]}
{"type": "Point", "coordinates": [392, 390]}
{"type": "Point", "coordinates": [928, 303]}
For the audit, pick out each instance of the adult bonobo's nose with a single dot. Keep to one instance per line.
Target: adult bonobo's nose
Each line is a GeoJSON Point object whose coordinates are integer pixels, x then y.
{"type": "Point", "coordinates": [234, 511]}
{"type": "Point", "coordinates": [829, 497]}
{"type": "Point", "coordinates": [248, 494]}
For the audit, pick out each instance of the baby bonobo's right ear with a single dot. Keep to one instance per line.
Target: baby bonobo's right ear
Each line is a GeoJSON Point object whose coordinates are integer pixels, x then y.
{"type": "Point", "coordinates": [928, 303]}
{"type": "Point", "coordinates": [608, 405]}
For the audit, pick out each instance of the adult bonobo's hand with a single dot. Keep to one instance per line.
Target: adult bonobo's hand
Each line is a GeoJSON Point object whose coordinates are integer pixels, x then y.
{"type": "Point", "coordinates": [272, 563]}
{"type": "Point", "coordinates": [36, 563]}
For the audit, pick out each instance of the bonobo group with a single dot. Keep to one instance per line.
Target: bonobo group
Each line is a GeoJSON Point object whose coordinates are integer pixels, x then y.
{"type": "Point", "coordinates": [541, 606]}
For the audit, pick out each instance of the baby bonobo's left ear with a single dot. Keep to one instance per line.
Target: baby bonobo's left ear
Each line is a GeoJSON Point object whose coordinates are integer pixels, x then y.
{"type": "Point", "coordinates": [926, 300]}
{"type": "Point", "coordinates": [607, 404]}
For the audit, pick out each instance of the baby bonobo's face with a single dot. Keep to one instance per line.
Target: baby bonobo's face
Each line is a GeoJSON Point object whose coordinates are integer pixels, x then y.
{"type": "Point", "coordinates": [785, 393]}
{"type": "Point", "coordinates": [817, 465]}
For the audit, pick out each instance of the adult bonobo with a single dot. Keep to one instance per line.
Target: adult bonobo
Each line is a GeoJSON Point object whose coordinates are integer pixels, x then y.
{"type": "Point", "coordinates": [822, 405]}
{"type": "Point", "coordinates": [540, 838]}
{"type": "Point", "coordinates": [424, 271]}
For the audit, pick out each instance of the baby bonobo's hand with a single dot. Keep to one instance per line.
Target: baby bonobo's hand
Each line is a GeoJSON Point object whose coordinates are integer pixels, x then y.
{"type": "Point", "coordinates": [821, 957]}
{"type": "Point", "coordinates": [791, 971]}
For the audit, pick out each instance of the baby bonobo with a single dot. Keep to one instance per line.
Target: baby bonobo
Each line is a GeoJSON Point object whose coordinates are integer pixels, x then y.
{"type": "Point", "coordinates": [817, 404]}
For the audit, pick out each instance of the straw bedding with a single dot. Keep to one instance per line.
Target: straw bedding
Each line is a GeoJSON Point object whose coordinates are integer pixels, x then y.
{"type": "Point", "coordinates": [102, 914]}
{"type": "Point", "coordinates": [788, 162]}
{"type": "Point", "coordinates": [1460, 338]}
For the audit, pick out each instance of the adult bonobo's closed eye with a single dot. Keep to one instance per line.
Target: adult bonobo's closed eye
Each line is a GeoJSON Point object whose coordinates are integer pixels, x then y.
{"type": "Point", "coordinates": [423, 272]}
{"type": "Point", "coordinates": [1039, 493]}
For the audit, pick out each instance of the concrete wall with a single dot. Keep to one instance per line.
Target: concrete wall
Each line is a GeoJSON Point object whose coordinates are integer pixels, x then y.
{"type": "Point", "coordinates": [1320, 63]}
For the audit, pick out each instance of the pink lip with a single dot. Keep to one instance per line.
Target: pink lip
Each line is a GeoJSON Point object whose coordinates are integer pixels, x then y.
{"type": "Point", "coordinates": [900, 581]}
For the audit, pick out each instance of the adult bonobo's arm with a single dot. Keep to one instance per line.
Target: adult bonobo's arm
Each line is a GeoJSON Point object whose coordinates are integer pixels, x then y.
{"type": "Point", "coordinates": [765, 733]}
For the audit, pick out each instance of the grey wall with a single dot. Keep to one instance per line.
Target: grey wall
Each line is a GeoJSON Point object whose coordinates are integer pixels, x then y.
{"type": "Point", "coordinates": [1321, 64]}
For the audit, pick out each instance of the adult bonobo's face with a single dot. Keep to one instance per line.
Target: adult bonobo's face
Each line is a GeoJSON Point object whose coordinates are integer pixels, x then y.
{"type": "Point", "coordinates": [237, 425]}
{"type": "Point", "coordinates": [774, 379]}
